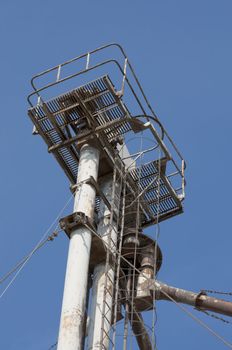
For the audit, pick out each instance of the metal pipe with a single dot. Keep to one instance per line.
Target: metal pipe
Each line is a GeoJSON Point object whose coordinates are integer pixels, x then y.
{"type": "Point", "coordinates": [86, 320]}
{"type": "Point", "coordinates": [140, 332]}
{"type": "Point", "coordinates": [74, 298]}
{"type": "Point", "coordinates": [135, 318]}
{"type": "Point", "coordinates": [200, 300]}
{"type": "Point", "coordinates": [95, 325]}
{"type": "Point", "coordinates": [128, 292]}
{"type": "Point", "coordinates": [97, 305]}
{"type": "Point", "coordinates": [147, 263]}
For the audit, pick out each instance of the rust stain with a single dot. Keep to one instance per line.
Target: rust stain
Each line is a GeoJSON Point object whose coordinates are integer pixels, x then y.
{"type": "Point", "coordinates": [72, 319]}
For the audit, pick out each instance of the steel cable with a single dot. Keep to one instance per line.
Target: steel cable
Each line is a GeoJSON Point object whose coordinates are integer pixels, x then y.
{"type": "Point", "coordinates": [204, 325]}
{"type": "Point", "coordinates": [21, 264]}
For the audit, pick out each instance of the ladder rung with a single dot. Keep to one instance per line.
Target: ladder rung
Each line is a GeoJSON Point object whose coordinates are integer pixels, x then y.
{"type": "Point", "coordinates": [109, 291]}
{"type": "Point", "coordinates": [106, 333]}
{"type": "Point", "coordinates": [109, 280]}
{"type": "Point", "coordinates": [109, 306]}
{"type": "Point", "coordinates": [106, 336]}
{"type": "Point", "coordinates": [106, 319]}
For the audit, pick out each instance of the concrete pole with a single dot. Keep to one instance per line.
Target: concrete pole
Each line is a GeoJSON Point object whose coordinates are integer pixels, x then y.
{"type": "Point", "coordinates": [104, 229]}
{"type": "Point", "coordinates": [76, 280]}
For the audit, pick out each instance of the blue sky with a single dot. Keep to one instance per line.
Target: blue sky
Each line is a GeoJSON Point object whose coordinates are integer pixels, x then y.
{"type": "Point", "coordinates": [182, 52]}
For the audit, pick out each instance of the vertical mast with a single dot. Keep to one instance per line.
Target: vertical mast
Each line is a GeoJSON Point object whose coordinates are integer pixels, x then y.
{"type": "Point", "coordinates": [74, 298]}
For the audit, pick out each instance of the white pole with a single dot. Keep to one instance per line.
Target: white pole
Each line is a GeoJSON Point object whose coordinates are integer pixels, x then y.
{"type": "Point", "coordinates": [97, 301]}
{"type": "Point", "coordinates": [75, 289]}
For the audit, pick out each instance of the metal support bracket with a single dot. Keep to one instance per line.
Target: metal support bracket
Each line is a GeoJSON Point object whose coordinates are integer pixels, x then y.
{"type": "Point", "coordinates": [91, 181]}
{"type": "Point", "coordinates": [197, 301]}
{"type": "Point", "coordinates": [73, 221]}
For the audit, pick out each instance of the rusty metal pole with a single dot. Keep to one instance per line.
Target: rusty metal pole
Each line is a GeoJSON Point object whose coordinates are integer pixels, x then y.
{"type": "Point", "coordinates": [75, 289]}
{"type": "Point", "coordinates": [140, 331]}
{"type": "Point", "coordinates": [200, 300]}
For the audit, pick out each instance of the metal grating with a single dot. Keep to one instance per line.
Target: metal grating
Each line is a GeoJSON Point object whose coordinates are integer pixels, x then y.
{"type": "Point", "coordinates": [72, 113]}
{"type": "Point", "coordinates": [61, 120]}
{"type": "Point", "coordinates": [157, 192]}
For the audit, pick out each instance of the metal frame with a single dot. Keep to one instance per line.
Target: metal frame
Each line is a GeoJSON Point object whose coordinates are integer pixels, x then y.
{"type": "Point", "coordinates": [69, 144]}
{"type": "Point", "coordinates": [122, 70]}
{"type": "Point", "coordinates": [144, 191]}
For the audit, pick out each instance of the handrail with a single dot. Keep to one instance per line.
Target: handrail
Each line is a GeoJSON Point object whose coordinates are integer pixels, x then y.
{"type": "Point", "coordinates": [123, 71]}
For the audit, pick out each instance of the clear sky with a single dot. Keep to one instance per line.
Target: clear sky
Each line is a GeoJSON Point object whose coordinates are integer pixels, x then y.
{"type": "Point", "coordinates": [182, 52]}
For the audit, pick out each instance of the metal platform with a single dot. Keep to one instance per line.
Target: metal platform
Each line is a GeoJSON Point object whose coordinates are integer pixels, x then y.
{"type": "Point", "coordinates": [158, 193]}
{"type": "Point", "coordinates": [96, 112]}
{"type": "Point", "coordinates": [65, 120]}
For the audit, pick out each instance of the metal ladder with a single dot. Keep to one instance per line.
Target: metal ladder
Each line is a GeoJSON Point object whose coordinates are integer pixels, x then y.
{"type": "Point", "coordinates": [111, 259]}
